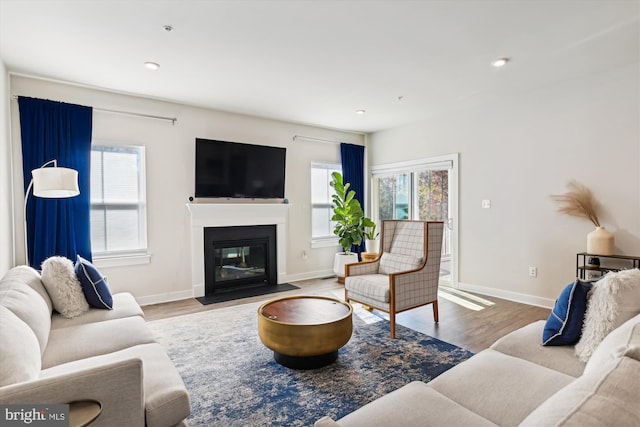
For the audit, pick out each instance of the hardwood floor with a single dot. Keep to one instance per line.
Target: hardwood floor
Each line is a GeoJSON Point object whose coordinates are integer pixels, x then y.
{"type": "Point", "coordinates": [467, 320]}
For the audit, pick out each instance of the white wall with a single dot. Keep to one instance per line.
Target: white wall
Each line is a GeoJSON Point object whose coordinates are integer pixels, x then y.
{"type": "Point", "coordinates": [170, 161]}
{"type": "Point", "coordinates": [518, 152]}
{"type": "Point", "coordinates": [6, 226]}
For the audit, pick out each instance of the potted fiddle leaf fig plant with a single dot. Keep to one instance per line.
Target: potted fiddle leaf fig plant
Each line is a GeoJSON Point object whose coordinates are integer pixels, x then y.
{"type": "Point", "coordinates": [350, 222]}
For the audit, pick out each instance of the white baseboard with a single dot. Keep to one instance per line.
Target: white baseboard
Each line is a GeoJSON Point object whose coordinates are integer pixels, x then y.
{"type": "Point", "coordinates": [309, 275]}
{"type": "Point", "coordinates": [508, 295]}
{"type": "Point", "coordinates": [160, 298]}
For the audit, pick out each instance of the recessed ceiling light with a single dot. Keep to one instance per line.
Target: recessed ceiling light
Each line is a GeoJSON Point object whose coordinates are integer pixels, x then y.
{"type": "Point", "coordinates": [360, 112]}
{"type": "Point", "coordinates": [500, 62]}
{"type": "Point", "coordinates": [152, 65]}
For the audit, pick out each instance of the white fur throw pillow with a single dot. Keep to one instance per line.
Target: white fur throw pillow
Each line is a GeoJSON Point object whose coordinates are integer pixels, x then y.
{"type": "Point", "coordinates": [63, 286]}
{"type": "Point", "coordinates": [613, 300]}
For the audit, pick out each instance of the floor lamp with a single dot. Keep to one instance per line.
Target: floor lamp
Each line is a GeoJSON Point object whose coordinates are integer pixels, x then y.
{"type": "Point", "coordinates": [50, 183]}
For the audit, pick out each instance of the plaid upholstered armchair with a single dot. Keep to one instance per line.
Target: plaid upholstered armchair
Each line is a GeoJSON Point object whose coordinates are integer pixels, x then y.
{"type": "Point", "coordinates": [405, 276]}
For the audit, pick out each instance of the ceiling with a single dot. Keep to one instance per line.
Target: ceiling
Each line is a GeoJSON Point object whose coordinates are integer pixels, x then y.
{"type": "Point", "coordinates": [317, 62]}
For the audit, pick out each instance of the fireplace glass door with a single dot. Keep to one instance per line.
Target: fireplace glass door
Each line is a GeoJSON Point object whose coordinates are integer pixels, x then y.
{"type": "Point", "coordinates": [239, 264]}
{"type": "Point", "coordinates": [239, 257]}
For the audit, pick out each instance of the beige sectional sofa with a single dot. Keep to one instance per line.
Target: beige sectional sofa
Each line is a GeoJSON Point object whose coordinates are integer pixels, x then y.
{"type": "Point", "coordinates": [517, 381]}
{"type": "Point", "coordinates": [109, 356]}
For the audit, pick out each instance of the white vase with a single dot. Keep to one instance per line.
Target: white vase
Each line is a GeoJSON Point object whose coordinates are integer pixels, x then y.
{"type": "Point", "coordinates": [340, 260]}
{"type": "Point", "coordinates": [372, 246]}
{"type": "Point", "coordinates": [600, 242]}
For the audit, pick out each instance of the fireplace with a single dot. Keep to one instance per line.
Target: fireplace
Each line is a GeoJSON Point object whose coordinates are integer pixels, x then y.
{"type": "Point", "coordinates": [205, 215]}
{"type": "Point", "coordinates": [239, 257]}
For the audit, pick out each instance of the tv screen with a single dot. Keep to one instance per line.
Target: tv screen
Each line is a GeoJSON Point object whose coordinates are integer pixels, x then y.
{"type": "Point", "coordinates": [232, 169]}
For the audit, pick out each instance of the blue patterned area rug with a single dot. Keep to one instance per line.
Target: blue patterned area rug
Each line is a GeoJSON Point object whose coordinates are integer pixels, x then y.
{"type": "Point", "coordinates": [233, 380]}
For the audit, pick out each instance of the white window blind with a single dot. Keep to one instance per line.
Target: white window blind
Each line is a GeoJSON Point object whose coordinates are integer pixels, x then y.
{"type": "Point", "coordinates": [321, 203]}
{"type": "Point", "coordinates": [118, 201]}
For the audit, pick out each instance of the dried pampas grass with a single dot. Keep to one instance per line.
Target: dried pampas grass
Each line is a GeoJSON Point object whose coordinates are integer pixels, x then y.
{"type": "Point", "coordinates": [578, 201]}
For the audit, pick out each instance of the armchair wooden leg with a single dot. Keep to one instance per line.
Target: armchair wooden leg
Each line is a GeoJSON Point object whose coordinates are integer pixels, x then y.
{"type": "Point", "coordinates": [392, 324]}
{"type": "Point", "coordinates": [435, 311]}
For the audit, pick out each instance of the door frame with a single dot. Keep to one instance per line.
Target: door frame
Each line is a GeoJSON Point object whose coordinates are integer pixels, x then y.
{"type": "Point", "coordinates": [447, 161]}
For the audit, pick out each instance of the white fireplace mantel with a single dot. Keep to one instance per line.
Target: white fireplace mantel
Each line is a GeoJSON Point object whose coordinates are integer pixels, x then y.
{"type": "Point", "coordinates": [204, 215]}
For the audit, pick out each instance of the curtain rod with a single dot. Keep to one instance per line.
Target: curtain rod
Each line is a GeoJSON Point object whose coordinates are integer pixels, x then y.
{"type": "Point", "coordinates": [309, 138]}
{"type": "Point", "coordinates": [173, 120]}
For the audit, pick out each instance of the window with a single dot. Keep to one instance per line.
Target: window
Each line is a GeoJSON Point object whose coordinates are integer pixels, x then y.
{"type": "Point", "coordinates": [393, 196]}
{"type": "Point", "coordinates": [118, 201]}
{"type": "Point", "coordinates": [421, 190]}
{"type": "Point", "coordinates": [425, 192]}
{"type": "Point", "coordinates": [322, 205]}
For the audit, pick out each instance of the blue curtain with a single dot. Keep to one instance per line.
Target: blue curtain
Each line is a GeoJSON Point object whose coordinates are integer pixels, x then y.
{"type": "Point", "coordinates": [55, 130]}
{"type": "Point", "coordinates": [352, 157]}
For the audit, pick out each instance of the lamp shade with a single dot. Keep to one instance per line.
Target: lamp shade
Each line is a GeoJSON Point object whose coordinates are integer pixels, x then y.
{"type": "Point", "coordinates": [55, 183]}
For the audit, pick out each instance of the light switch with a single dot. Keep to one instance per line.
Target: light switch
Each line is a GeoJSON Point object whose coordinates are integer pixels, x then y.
{"type": "Point", "coordinates": [486, 204]}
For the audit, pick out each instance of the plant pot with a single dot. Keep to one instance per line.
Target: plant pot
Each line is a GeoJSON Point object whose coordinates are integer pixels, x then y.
{"type": "Point", "coordinates": [600, 242]}
{"type": "Point", "coordinates": [372, 246]}
{"type": "Point", "coordinates": [340, 260]}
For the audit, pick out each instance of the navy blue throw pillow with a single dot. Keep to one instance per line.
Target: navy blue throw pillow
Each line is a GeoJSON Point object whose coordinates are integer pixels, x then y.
{"type": "Point", "coordinates": [94, 285]}
{"type": "Point", "coordinates": [564, 325]}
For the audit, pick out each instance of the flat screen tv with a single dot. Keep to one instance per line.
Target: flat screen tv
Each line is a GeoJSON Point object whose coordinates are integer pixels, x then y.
{"type": "Point", "coordinates": [236, 170]}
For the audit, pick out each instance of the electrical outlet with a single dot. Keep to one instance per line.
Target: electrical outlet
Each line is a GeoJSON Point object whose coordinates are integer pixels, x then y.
{"type": "Point", "coordinates": [533, 272]}
{"type": "Point", "coordinates": [486, 204]}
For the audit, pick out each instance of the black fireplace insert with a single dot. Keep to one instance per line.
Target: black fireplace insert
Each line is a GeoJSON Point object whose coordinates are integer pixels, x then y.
{"type": "Point", "coordinates": [239, 257]}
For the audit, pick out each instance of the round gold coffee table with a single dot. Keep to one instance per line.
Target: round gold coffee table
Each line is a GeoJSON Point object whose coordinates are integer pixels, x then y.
{"type": "Point", "coordinates": [305, 332]}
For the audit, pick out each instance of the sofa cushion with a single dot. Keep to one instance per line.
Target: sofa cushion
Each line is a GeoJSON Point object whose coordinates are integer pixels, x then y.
{"type": "Point", "coordinates": [369, 288]}
{"type": "Point", "coordinates": [166, 398]}
{"type": "Point", "coordinates": [564, 324]}
{"type": "Point", "coordinates": [63, 287]}
{"type": "Point", "coordinates": [94, 284]}
{"type": "Point", "coordinates": [124, 305]}
{"type": "Point", "coordinates": [19, 350]}
{"type": "Point", "coordinates": [393, 263]}
{"type": "Point", "coordinates": [524, 343]}
{"type": "Point", "coordinates": [615, 344]}
{"type": "Point", "coordinates": [29, 277]}
{"type": "Point", "coordinates": [326, 421]}
{"type": "Point", "coordinates": [613, 300]}
{"type": "Point", "coordinates": [608, 396]}
{"type": "Point", "coordinates": [93, 339]}
{"type": "Point", "coordinates": [415, 404]}
{"type": "Point", "coordinates": [498, 387]}
{"type": "Point", "coordinates": [24, 302]}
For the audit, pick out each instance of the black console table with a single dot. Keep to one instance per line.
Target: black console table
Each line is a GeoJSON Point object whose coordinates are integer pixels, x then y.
{"type": "Point", "coordinates": [607, 263]}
